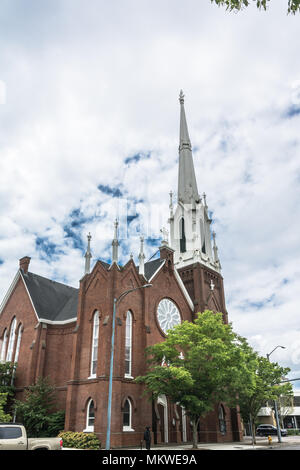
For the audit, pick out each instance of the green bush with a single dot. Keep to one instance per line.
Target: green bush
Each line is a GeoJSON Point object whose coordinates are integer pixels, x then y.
{"type": "Point", "coordinates": [80, 440]}
{"type": "Point", "coordinates": [293, 432]}
{"type": "Point", "coordinates": [56, 422]}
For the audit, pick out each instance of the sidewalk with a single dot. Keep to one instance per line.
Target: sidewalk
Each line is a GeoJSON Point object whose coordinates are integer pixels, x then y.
{"type": "Point", "coordinates": [261, 444]}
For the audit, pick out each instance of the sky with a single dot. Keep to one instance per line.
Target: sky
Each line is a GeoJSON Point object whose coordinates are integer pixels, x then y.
{"type": "Point", "coordinates": [89, 128]}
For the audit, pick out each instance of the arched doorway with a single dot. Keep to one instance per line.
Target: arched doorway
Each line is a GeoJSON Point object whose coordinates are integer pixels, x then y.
{"type": "Point", "coordinates": [162, 406]}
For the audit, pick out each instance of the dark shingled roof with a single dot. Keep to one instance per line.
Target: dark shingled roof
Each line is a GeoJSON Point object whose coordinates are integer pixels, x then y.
{"type": "Point", "coordinates": [151, 267]}
{"type": "Point", "coordinates": [52, 300]}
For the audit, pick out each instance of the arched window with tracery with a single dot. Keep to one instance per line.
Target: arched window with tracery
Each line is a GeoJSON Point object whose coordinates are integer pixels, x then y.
{"type": "Point", "coordinates": [95, 339]}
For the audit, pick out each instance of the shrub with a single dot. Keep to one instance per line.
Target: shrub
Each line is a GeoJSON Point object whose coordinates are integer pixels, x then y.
{"type": "Point", "coordinates": [3, 416]}
{"type": "Point", "coordinates": [80, 440]}
{"type": "Point", "coordinates": [56, 422]}
{"type": "Point", "coordinates": [293, 432]}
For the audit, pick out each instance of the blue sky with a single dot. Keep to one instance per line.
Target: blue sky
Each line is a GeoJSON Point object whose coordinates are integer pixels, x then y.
{"type": "Point", "coordinates": [89, 124]}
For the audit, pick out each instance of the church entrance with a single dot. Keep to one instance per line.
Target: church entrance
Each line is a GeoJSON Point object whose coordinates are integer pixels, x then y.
{"type": "Point", "coordinates": [162, 406]}
{"type": "Point", "coordinates": [161, 412]}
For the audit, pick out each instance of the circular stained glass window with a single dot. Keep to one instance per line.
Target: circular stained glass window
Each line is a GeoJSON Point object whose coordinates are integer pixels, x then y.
{"type": "Point", "coordinates": [167, 315]}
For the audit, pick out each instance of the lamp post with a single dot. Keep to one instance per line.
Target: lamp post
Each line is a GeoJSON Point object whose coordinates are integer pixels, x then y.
{"type": "Point", "coordinates": [116, 301]}
{"type": "Point", "coordinates": [275, 401]}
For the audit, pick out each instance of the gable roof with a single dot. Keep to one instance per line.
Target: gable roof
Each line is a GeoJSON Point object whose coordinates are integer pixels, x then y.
{"type": "Point", "coordinates": [53, 301]}
{"type": "Point", "coordinates": [151, 267]}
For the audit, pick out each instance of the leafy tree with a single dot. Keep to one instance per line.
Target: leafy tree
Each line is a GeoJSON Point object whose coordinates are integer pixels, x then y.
{"type": "Point", "coordinates": [267, 377]}
{"type": "Point", "coordinates": [4, 417]}
{"type": "Point", "coordinates": [235, 5]}
{"type": "Point", "coordinates": [215, 365]}
{"type": "Point", "coordinates": [37, 411]}
{"type": "Point", "coordinates": [7, 372]}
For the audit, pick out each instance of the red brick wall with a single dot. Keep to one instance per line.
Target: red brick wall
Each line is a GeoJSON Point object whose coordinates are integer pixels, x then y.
{"type": "Point", "coordinates": [63, 352]}
{"type": "Point", "coordinates": [19, 305]}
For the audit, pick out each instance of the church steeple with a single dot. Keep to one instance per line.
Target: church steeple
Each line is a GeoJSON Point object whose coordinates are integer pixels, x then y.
{"type": "Point", "coordinates": [190, 231]}
{"type": "Point", "coordinates": [187, 184]}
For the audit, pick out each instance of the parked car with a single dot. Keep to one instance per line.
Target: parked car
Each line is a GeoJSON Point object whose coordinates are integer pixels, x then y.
{"type": "Point", "coordinates": [269, 430]}
{"type": "Point", "coordinates": [13, 436]}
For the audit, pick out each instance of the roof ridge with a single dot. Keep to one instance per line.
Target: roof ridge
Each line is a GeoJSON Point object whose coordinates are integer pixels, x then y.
{"type": "Point", "coordinates": [51, 280]}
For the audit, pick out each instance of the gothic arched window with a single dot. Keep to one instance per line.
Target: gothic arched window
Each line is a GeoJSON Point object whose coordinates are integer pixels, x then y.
{"type": "Point", "coordinates": [20, 331]}
{"type": "Point", "coordinates": [127, 415]}
{"type": "Point", "coordinates": [94, 352]}
{"type": "Point", "coordinates": [90, 416]}
{"type": "Point", "coordinates": [202, 233]}
{"type": "Point", "coordinates": [182, 236]}
{"type": "Point", "coordinates": [11, 342]}
{"type": "Point", "coordinates": [128, 344]}
{"type": "Point", "coordinates": [222, 421]}
{"type": "Point", "coordinates": [4, 343]}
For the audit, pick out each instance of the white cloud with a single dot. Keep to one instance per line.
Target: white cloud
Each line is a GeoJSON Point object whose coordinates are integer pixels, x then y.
{"type": "Point", "coordinates": [88, 85]}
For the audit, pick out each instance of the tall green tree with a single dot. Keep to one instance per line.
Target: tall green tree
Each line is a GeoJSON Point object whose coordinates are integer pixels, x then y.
{"type": "Point", "coordinates": [266, 386]}
{"type": "Point", "coordinates": [38, 410]}
{"type": "Point", "coordinates": [293, 6]}
{"type": "Point", "coordinates": [198, 365]}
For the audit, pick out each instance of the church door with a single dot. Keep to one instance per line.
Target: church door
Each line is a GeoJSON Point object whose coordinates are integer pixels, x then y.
{"type": "Point", "coordinates": [161, 411]}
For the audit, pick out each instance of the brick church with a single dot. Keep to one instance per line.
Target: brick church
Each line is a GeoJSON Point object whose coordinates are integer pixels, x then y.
{"type": "Point", "coordinates": [53, 330]}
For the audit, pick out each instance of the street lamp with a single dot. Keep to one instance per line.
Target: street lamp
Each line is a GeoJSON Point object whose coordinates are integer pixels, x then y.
{"type": "Point", "coordinates": [268, 355]}
{"type": "Point", "coordinates": [275, 401]}
{"type": "Point", "coordinates": [116, 301]}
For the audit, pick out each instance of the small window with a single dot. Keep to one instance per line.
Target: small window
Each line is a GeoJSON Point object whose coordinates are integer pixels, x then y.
{"type": "Point", "coordinates": [127, 416]}
{"type": "Point", "coordinates": [10, 432]}
{"type": "Point", "coordinates": [90, 417]}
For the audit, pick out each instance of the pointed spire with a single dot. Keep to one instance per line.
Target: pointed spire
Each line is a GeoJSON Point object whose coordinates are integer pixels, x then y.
{"type": "Point", "coordinates": [171, 205]}
{"type": "Point", "coordinates": [187, 184]}
{"type": "Point", "coordinates": [115, 244]}
{"type": "Point", "coordinates": [142, 257]}
{"type": "Point", "coordinates": [215, 248]}
{"type": "Point", "coordinates": [184, 138]}
{"type": "Point", "coordinates": [88, 255]}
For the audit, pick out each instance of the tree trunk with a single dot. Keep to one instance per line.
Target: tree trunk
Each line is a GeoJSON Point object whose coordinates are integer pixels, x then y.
{"type": "Point", "coordinates": [252, 425]}
{"type": "Point", "coordinates": [195, 433]}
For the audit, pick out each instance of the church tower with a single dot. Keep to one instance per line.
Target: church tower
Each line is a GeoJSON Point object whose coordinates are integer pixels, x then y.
{"type": "Point", "coordinates": [194, 244]}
